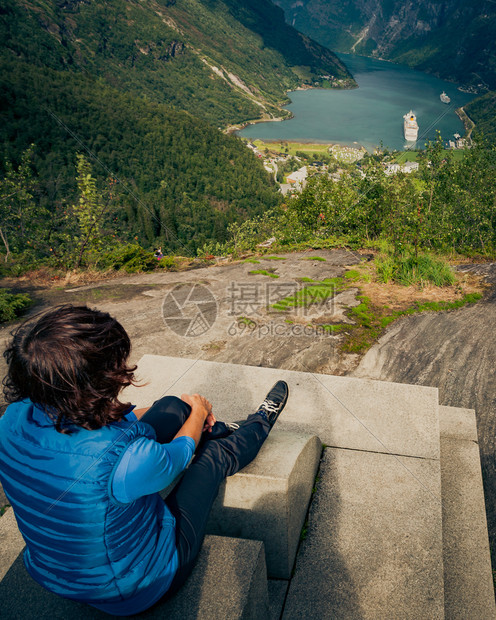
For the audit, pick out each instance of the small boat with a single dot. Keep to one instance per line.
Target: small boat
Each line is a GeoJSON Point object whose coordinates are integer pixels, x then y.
{"type": "Point", "coordinates": [444, 97]}
{"type": "Point", "coordinates": [410, 127]}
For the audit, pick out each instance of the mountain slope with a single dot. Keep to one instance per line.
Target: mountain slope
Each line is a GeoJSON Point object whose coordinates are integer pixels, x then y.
{"type": "Point", "coordinates": [483, 112]}
{"type": "Point", "coordinates": [223, 61]}
{"type": "Point", "coordinates": [181, 182]}
{"type": "Point", "coordinates": [140, 88]}
{"type": "Point", "coordinates": [450, 38]}
{"type": "Point", "coordinates": [124, 83]}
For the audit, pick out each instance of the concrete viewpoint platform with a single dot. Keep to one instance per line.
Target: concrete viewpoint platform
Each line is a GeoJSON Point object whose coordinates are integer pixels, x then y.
{"type": "Point", "coordinates": [396, 526]}
{"type": "Point", "coordinates": [355, 414]}
{"type": "Point", "coordinates": [376, 541]}
{"type": "Point", "coordinates": [268, 500]}
{"type": "Point", "coordinates": [468, 580]}
{"type": "Point", "coordinates": [381, 470]}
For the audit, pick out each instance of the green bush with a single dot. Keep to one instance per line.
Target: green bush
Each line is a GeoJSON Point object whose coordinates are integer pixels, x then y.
{"type": "Point", "coordinates": [18, 264]}
{"type": "Point", "coordinates": [167, 262]}
{"type": "Point", "coordinates": [12, 304]}
{"type": "Point", "coordinates": [385, 268]}
{"type": "Point", "coordinates": [130, 258]}
{"type": "Point", "coordinates": [247, 235]}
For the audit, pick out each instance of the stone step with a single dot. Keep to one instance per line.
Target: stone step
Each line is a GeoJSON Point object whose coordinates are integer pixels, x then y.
{"type": "Point", "coordinates": [374, 542]}
{"type": "Point", "coordinates": [344, 412]}
{"type": "Point", "coordinates": [229, 582]}
{"type": "Point", "coordinates": [268, 500]}
{"type": "Point", "coordinates": [469, 590]}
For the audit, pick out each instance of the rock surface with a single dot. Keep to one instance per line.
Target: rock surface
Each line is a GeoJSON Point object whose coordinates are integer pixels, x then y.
{"type": "Point", "coordinates": [455, 352]}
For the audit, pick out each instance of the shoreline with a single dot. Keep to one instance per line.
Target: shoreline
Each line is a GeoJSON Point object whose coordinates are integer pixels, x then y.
{"type": "Point", "coordinates": [232, 129]}
{"type": "Point", "coordinates": [468, 123]}
{"type": "Point", "coordinates": [342, 138]}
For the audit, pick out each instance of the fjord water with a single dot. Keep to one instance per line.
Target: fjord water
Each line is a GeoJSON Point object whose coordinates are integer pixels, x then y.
{"type": "Point", "coordinates": [373, 112]}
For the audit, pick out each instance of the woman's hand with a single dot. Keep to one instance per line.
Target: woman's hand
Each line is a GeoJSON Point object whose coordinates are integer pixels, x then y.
{"type": "Point", "coordinates": [202, 408]}
{"type": "Point", "coordinates": [209, 422]}
{"type": "Point", "coordinates": [199, 405]}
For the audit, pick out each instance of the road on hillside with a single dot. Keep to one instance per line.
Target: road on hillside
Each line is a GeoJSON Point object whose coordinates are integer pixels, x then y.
{"type": "Point", "coordinates": [455, 352]}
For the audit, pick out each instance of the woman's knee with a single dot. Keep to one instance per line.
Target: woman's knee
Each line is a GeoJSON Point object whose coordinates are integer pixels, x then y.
{"type": "Point", "coordinates": [166, 416]}
{"type": "Point", "coordinates": [172, 404]}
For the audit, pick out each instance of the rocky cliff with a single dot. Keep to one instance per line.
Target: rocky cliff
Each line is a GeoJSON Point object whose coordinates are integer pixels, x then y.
{"type": "Point", "coordinates": [450, 38]}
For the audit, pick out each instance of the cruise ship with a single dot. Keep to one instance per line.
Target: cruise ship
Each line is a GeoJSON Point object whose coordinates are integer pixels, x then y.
{"type": "Point", "coordinates": [444, 97]}
{"type": "Point", "coordinates": [410, 127]}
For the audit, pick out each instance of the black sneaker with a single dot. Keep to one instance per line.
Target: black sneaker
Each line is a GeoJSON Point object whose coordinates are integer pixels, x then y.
{"type": "Point", "coordinates": [274, 402]}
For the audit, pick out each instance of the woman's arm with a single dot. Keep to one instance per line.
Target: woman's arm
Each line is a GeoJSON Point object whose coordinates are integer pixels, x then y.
{"type": "Point", "coordinates": [198, 406]}
{"type": "Point", "coordinates": [149, 466]}
{"type": "Point", "coordinates": [194, 426]}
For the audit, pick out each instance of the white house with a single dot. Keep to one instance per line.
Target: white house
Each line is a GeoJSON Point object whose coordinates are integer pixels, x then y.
{"type": "Point", "coordinates": [298, 179]}
{"type": "Point", "coordinates": [407, 167]}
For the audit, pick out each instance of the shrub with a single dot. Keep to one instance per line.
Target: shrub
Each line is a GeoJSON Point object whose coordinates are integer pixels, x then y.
{"type": "Point", "coordinates": [167, 262]}
{"type": "Point", "coordinates": [18, 264]}
{"type": "Point", "coordinates": [12, 305]}
{"type": "Point", "coordinates": [247, 235]}
{"type": "Point", "coordinates": [409, 270]}
{"type": "Point", "coordinates": [129, 257]}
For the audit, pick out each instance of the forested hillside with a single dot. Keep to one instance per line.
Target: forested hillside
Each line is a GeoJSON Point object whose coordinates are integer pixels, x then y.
{"type": "Point", "coordinates": [191, 179]}
{"type": "Point", "coordinates": [222, 61]}
{"type": "Point", "coordinates": [483, 112]}
{"type": "Point", "coordinates": [141, 90]}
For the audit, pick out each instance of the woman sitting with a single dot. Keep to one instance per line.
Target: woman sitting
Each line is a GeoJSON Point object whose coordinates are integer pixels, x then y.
{"type": "Point", "coordinates": [82, 470]}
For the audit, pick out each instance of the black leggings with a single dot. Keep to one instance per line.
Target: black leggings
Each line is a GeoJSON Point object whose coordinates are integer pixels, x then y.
{"type": "Point", "coordinates": [192, 498]}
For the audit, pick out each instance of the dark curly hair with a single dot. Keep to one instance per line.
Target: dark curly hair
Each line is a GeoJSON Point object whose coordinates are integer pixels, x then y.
{"type": "Point", "coordinates": [72, 361]}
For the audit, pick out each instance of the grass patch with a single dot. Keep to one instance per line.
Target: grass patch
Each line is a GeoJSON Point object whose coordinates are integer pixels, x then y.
{"type": "Point", "coordinates": [252, 260]}
{"type": "Point", "coordinates": [3, 509]}
{"type": "Point", "coordinates": [304, 531]}
{"type": "Point", "coordinates": [334, 328]}
{"type": "Point", "coordinates": [353, 275]}
{"type": "Point", "coordinates": [414, 270]}
{"type": "Point", "coordinates": [321, 258]}
{"type": "Point", "coordinates": [291, 148]}
{"type": "Point", "coordinates": [372, 320]}
{"type": "Point", "coordinates": [317, 292]}
{"type": "Point", "coordinates": [364, 273]}
{"type": "Point", "coordinates": [244, 320]}
{"type": "Point", "coordinates": [263, 272]}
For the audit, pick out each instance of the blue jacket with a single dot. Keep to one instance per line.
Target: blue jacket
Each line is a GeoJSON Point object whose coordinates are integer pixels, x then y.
{"type": "Point", "coordinates": [81, 543]}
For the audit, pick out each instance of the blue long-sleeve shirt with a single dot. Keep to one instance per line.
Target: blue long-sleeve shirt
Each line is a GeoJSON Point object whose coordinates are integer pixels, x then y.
{"type": "Point", "coordinates": [148, 466]}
